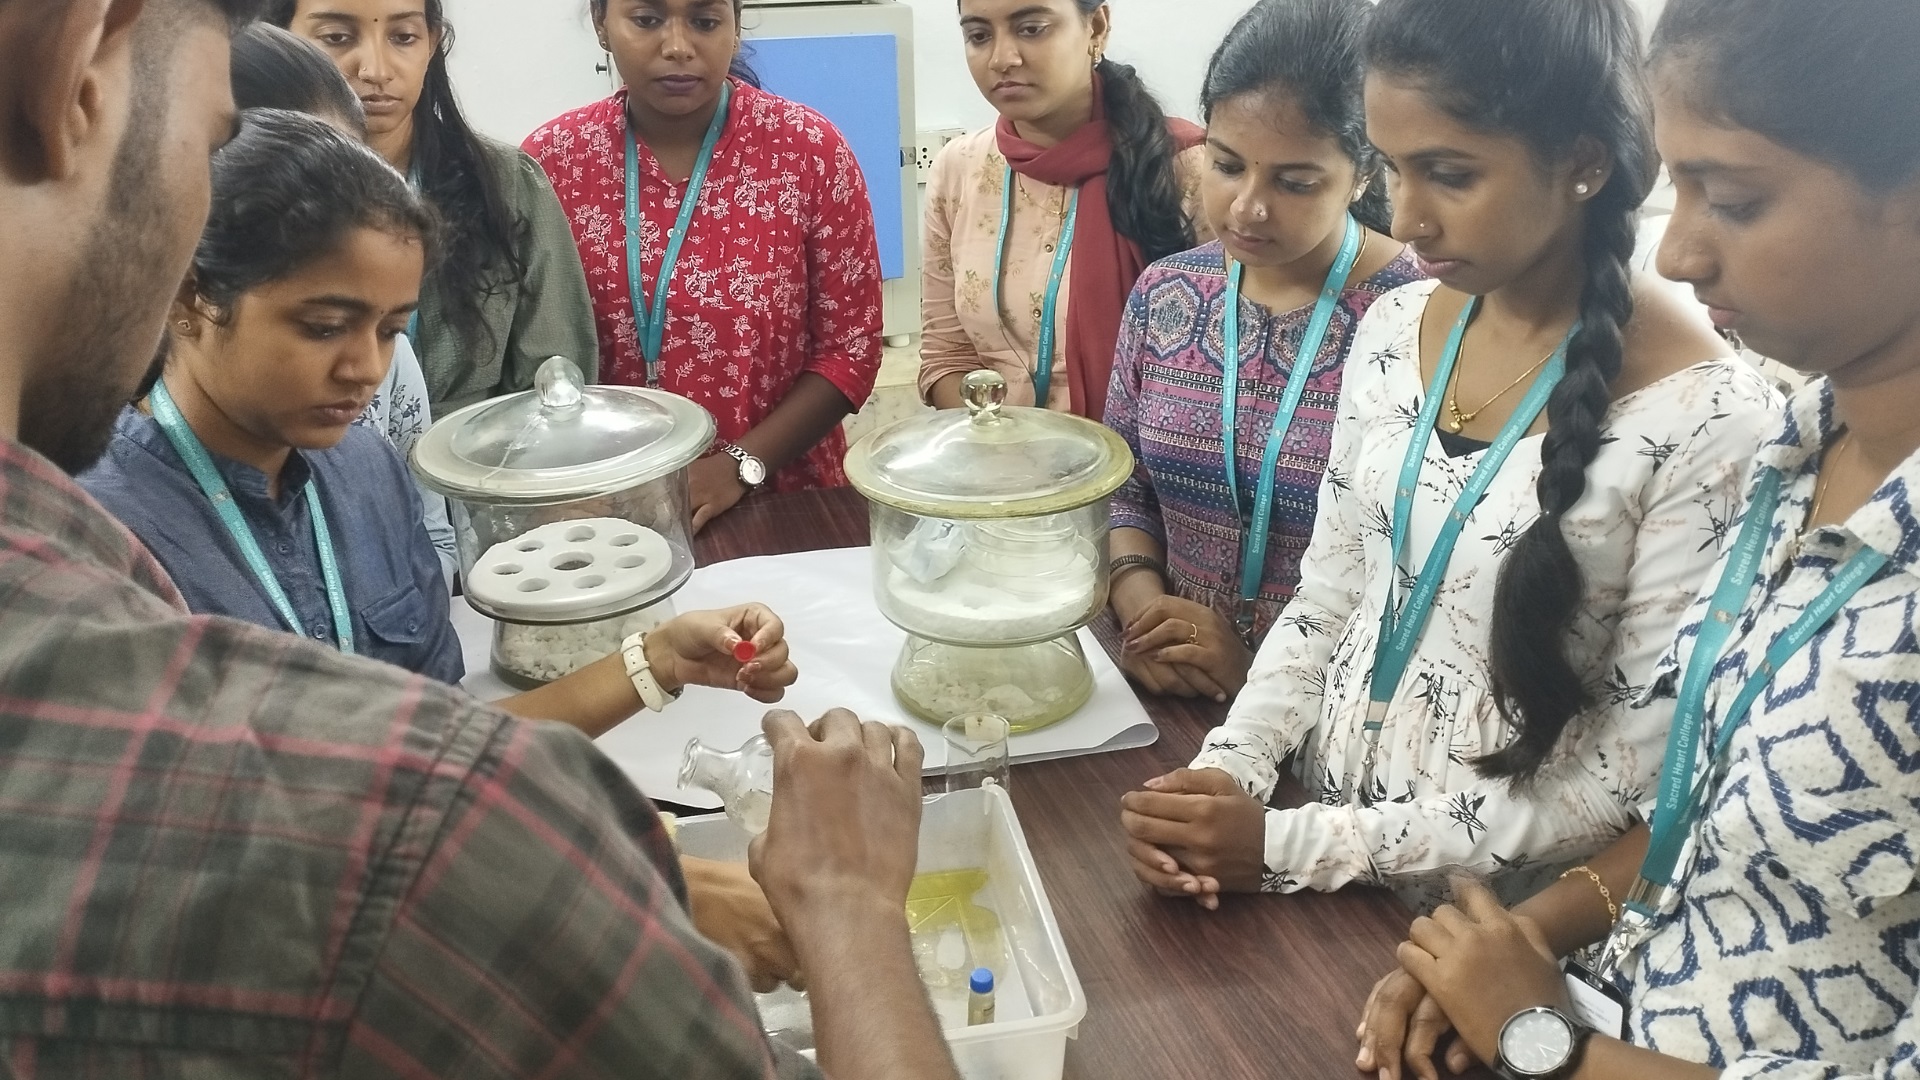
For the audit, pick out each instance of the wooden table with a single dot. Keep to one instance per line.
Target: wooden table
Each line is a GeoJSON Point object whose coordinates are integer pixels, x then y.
{"type": "Point", "coordinates": [1268, 987]}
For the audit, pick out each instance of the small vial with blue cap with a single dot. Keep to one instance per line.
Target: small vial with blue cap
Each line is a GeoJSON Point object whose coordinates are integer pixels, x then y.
{"type": "Point", "coordinates": [980, 997]}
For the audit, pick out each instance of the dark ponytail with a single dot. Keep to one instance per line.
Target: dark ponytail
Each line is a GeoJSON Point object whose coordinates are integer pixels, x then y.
{"type": "Point", "coordinates": [1308, 52]}
{"type": "Point", "coordinates": [1143, 192]}
{"type": "Point", "coordinates": [273, 69]}
{"type": "Point", "coordinates": [1549, 72]}
{"type": "Point", "coordinates": [287, 191]}
{"type": "Point", "coordinates": [484, 234]}
{"type": "Point", "coordinates": [1835, 81]}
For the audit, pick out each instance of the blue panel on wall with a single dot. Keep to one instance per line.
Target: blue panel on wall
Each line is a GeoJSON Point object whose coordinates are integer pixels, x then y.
{"type": "Point", "coordinates": [854, 81]}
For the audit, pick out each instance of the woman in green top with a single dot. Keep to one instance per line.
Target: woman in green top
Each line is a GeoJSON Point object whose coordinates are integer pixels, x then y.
{"type": "Point", "coordinates": [509, 292]}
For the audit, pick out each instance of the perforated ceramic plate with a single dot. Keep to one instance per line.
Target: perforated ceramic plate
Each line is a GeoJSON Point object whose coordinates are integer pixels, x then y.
{"type": "Point", "coordinates": [570, 567]}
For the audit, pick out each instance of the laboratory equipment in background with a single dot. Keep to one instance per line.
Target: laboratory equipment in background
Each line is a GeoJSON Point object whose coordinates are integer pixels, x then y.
{"type": "Point", "coordinates": [990, 550]}
{"type": "Point", "coordinates": [570, 512]}
{"type": "Point", "coordinates": [852, 62]}
{"type": "Point", "coordinates": [976, 751]}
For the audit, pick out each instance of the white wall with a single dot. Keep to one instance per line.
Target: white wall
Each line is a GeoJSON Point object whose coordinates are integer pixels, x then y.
{"type": "Point", "coordinates": [519, 63]}
{"type": "Point", "coordinates": [1170, 42]}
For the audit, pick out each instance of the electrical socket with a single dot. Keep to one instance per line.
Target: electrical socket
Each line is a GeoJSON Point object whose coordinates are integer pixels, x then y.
{"type": "Point", "coordinates": [928, 146]}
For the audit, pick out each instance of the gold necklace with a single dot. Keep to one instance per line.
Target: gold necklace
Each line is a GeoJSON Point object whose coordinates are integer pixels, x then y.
{"type": "Point", "coordinates": [1839, 448]}
{"type": "Point", "coordinates": [1458, 419]}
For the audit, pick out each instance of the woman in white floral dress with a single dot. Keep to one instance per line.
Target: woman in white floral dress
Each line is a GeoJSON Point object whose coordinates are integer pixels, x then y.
{"type": "Point", "coordinates": [1503, 745]}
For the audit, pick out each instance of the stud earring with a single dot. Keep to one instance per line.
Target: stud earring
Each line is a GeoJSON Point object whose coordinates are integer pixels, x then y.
{"type": "Point", "coordinates": [1582, 188]}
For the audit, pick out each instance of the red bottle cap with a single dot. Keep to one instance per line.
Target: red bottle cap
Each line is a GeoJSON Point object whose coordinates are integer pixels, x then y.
{"type": "Point", "coordinates": [745, 652]}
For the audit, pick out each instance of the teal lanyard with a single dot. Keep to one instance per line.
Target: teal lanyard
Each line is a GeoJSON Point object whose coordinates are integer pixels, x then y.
{"type": "Point", "coordinates": [413, 320]}
{"type": "Point", "coordinates": [1682, 798]}
{"type": "Point", "coordinates": [1255, 524]}
{"type": "Point", "coordinates": [200, 464]}
{"type": "Point", "coordinates": [1049, 311]}
{"type": "Point", "coordinates": [1399, 634]}
{"type": "Point", "coordinates": [650, 317]}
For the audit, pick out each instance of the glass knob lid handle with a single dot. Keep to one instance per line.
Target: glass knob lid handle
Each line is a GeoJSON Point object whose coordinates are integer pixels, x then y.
{"type": "Point", "coordinates": [560, 385]}
{"type": "Point", "coordinates": [984, 392]}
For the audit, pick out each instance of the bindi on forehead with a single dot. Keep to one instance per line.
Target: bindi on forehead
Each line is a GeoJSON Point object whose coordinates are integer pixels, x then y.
{"type": "Point", "coordinates": [417, 14]}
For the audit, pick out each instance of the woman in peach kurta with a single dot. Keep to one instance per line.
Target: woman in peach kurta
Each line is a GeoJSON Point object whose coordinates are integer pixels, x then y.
{"type": "Point", "coordinates": [959, 329]}
{"type": "Point", "coordinates": [1082, 141]}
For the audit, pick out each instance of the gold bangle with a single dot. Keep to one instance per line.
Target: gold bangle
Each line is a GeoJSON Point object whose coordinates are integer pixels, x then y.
{"type": "Point", "coordinates": [1613, 909]}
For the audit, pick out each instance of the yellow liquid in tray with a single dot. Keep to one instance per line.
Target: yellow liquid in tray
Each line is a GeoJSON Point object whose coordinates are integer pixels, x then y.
{"type": "Point", "coordinates": [952, 934]}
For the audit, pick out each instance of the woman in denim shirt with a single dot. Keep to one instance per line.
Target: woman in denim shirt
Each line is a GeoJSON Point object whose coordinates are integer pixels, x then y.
{"type": "Point", "coordinates": [307, 273]}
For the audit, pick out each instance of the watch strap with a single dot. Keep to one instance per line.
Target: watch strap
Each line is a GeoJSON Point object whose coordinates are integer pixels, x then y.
{"type": "Point", "coordinates": [633, 652]}
{"type": "Point", "coordinates": [740, 456]}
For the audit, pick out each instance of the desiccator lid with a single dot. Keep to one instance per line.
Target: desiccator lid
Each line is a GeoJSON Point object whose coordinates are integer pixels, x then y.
{"type": "Point", "coordinates": [561, 440]}
{"type": "Point", "coordinates": [989, 461]}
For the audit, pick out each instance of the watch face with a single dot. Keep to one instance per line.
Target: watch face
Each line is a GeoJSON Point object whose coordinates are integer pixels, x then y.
{"type": "Point", "coordinates": [1537, 1042]}
{"type": "Point", "coordinates": [753, 472]}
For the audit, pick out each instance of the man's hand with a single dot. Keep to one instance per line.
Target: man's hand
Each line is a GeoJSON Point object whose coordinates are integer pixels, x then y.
{"type": "Point", "coordinates": [1194, 832]}
{"type": "Point", "coordinates": [1482, 964]}
{"type": "Point", "coordinates": [698, 649]}
{"type": "Point", "coordinates": [836, 861]}
{"type": "Point", "coordinates": [844, 833]}
{"type": "Point", "coordinates": [729, 909]}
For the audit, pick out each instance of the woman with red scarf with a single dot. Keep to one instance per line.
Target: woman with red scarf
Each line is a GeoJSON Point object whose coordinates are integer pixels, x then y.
{"type": "Point", "coordinates": [728, 243]}
{"type": "Point", "coordinates": [1037, 227]}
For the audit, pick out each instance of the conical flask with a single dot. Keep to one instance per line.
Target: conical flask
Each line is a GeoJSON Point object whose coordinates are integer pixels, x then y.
{"type": "Point", "coordinates": [743, 779]}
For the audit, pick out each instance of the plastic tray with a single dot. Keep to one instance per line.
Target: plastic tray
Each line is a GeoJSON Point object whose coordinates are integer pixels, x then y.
{"type": "Point", "coordinates": [1039, 1002]}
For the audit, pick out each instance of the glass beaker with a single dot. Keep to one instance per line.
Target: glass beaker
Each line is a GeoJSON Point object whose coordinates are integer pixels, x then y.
{"type": "Point", "coordinates": [976, 751]}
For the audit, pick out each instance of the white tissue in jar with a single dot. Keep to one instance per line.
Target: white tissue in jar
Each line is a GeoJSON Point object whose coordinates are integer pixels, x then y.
{"type": "Point", "coordinates": [992, 582]}
{"type": "Point", "coordinates": [971, 604]}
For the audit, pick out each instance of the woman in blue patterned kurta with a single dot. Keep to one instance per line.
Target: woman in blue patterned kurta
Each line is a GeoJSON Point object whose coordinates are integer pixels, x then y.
{"type": "Point", "coordinates": [1287, 162]}
{"type": "Point", "coordinates": [1785, 940]}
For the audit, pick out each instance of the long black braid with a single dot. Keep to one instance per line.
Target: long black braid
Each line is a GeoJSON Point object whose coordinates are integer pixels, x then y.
{"type": "Point", "coordinates": [1550, 72]}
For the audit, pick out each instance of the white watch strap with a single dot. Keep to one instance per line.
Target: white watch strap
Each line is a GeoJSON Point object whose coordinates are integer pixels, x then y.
{"type": "Point", "coordinates": [634, 652]}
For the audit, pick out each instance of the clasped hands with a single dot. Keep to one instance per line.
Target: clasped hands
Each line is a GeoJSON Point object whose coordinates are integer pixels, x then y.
{"type": "Point", "coordinates": [1464, 970]}
{"type": "Point", "coordinates": [1175, 646]}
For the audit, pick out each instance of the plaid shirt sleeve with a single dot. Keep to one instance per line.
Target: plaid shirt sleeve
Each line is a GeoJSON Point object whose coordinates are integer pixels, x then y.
{"type": "Point", "coordinates": [229, 853]}
{"type": "Point", "coordinates": [542, 938]}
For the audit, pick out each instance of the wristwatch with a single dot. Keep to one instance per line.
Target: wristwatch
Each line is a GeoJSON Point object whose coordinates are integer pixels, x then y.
{"type": "Point", "coordinates": [753, 471]}
{"type": "Point", "coordinates": [1540, 1044]}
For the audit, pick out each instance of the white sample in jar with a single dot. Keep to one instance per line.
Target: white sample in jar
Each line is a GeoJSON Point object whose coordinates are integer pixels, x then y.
{"type": "Point", "coordinates": [972, 605]}
{"type": "Point", "coordinates": [947, 692]}
{"type": "Point", "coordinates": [542, 654]}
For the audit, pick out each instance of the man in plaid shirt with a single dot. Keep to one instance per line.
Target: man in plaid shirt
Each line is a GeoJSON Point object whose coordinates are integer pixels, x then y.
{"type": "Point", "coordinates": [226, 852]}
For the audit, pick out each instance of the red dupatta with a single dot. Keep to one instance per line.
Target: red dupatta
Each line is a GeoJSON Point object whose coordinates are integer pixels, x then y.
{"type": "Point", "coordinates": [1105, 263]}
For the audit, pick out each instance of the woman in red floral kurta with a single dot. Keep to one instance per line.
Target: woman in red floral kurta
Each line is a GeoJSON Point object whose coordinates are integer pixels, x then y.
{"type": "Point", "coordinates": [779, 277]}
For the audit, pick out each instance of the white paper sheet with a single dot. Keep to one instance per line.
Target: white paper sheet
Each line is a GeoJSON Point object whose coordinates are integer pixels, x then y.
{"type": "Point", "coordinates": [845, 649]}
